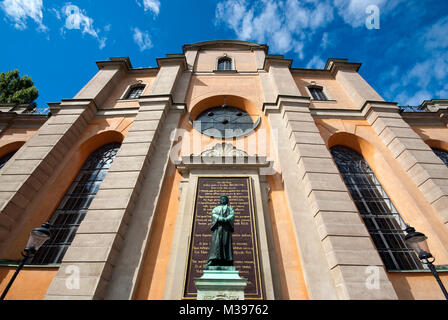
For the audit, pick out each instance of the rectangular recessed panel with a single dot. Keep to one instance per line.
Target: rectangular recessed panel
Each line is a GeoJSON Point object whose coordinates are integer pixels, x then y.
{"type": "Point", "coordinates": [244, 238]}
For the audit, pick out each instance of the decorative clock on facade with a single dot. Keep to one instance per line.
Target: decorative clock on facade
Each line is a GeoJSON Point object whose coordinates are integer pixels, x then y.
{"type": "Point", "coordinates": [225, 122]}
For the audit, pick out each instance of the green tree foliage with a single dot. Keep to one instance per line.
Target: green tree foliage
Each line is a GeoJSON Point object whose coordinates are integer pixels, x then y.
{"type": "Point", "coordinates": [16, 89]}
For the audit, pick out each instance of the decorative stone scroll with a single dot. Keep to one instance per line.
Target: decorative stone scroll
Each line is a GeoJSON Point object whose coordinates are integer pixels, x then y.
{"type": "Point", "coordinates": [224, 150]}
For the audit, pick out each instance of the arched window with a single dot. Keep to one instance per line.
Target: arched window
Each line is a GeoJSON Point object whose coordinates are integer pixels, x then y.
{"type": "Point", "coordinates": [380, 216]}
{"type": "Point", "coordinates": [135, 92]}
{"type": "Point", "coordinates": [224, 122]}
{"type": "Point", "coordinates": [225, 63]}
{"type": "Point", "coordinates": [5, 158]}
{"type": "Point", "coordinates": [317, 92]}
{"type": "Point", "coordinates": [73, 207]}
{"type": "Point", "coordinates": [442, 154]}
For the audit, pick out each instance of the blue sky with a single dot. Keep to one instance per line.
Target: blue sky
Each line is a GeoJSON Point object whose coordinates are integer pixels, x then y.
{"type": "Point", "coordinates": [401, 43]}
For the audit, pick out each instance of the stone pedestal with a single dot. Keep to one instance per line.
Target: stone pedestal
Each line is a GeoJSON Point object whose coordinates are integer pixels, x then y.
{"type": "Point", "coordinates": [220, 283]}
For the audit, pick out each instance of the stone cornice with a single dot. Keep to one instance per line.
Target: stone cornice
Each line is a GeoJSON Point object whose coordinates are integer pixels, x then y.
{"type": "Point", "coordinates": [311, 72]}
{"type": "Point", "coordinates": [276, 60]}
{"type": "Point", "coordinates": [436, 118]}
{"type": "Point", "coordinates": [172, 59]}
{"type": "Point", "coordinates": [118, 61]}
{"type": "Point", "coordinates": [22, 120]}
{"type": "Point", "coordinates": [222, 44]}
{"type": "Point", "coordinates": [189, 163]}
{"type": "Point", "coordinates": [71, 104]}
{"type": "Point", "coordinates": [282, 100]}
{"type": "Point", "coordinates": [334, 65]}
{"type": "Point", "coordinates": [434, 104]}
{"type": "Point", "coordinates": [155, 99]}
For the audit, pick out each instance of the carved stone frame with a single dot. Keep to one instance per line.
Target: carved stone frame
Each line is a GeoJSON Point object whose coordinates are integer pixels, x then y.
{"type": "Point", "coordinates": [192, 168]}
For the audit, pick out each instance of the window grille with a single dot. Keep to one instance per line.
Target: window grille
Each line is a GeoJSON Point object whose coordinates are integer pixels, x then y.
{"type": "Point", "coordinates": [317, 93]}
{"type": "Point", "coordinates": [224, 122]}
{"type": "Point", "coordinates": [380, 216]}
{"type": "Point", "coordinates": [225, 64]}
{"type": "Point", "coordinates": [73, 207]}
{"type": "Point", "coordinates": [5, 158]}
{"type": "Point", "coordinates": [442, 154]}
{"type": "Point", "coordinates": [135, 92]}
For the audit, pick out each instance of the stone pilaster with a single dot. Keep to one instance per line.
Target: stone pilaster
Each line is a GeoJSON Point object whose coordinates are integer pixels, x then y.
{"type": "Point", "coordinates": [29, 169]}
{"type": "Point", "coordinates": [25, 174]}
{"type": "Point", "coordinates": [102, 234]}
{"type": "Point", "coordinates": [345, 242]}
{"type": "Point", "coordinates": [99, 238]}
{"type": "Point", "coordinates": [427, 171]}
{"type": "Point", "coordinates": [354, 85]}
{"type": "Point", "coordinates": [125, 278]}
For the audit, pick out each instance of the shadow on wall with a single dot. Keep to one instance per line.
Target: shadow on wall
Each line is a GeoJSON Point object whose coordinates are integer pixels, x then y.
{"type": "Point", "coordinates": [401, 286]}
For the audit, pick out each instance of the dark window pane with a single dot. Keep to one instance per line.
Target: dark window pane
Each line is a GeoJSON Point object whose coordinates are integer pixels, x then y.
{"type": "Point", "coordinates": [225, 64]}
{"type": "Point", "coordinates": [377, 210]}
{"type": "Point", "coordinates": [224, 122]}
{"type": "Point", "coordinates": [73, 207]}
{"type": "Point", "coordinates": [442, 154]}
{"type": "Point", "coordinates": [317, 93]}
{"type": "Point", "coordinates": [135, 92]}
{"type": "Point", "coordinates": [5, 158]}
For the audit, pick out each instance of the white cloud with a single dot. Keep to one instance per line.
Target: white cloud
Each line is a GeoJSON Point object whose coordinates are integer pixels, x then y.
{"type": "Point", "coordinates": [325, 41]}
{"type": "Point", "coordinates": [427, 78]}
{"type": "Point", "coordinates": [443, 93]}
{"type": "Point", "coordinates": [20, 10]}
{"type": "Point", "coordinates": [77, 20]}
{"type": "Point", "coordinates": [152, 5]}
{"type": "Point", "coordinates": [284, 25]}
{"type": "Point", "coordinates": [353, 12]}
{"type": "Point", "coordinates": [436, 35]}
{"type": "Point", "coordinates": [142, 39]}
{"type": "Point", "coordinates": [415, 99]}
{"type": "Point", "coordinates": [315, 63]}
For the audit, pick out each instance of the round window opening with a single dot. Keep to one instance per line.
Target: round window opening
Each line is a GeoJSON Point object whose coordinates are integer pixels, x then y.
{"type": "Point", "coordinates": [224, 122]}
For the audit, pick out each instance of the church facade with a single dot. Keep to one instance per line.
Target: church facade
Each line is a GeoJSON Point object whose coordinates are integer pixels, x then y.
{"type": "Point", "coordinates": [324, 175]}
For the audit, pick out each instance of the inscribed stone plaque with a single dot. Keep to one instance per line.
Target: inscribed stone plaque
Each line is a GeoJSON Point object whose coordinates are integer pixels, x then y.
{"type": "Point", "coordinates": [245, 246]}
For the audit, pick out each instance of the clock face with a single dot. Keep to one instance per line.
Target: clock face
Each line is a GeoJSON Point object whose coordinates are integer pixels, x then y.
{"type": "Point", "coordinates": [224, 122]}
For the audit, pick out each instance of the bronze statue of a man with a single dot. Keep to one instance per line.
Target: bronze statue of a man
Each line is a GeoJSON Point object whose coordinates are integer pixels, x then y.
{"type": "Point", "coordinates": [221, 249]}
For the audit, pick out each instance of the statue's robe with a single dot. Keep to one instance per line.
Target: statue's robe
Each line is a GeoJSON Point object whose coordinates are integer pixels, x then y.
{"type": "Point", "coordinates": [221, 248]}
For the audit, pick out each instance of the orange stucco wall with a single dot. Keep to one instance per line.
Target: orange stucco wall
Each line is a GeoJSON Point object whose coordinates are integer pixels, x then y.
{"type": "Point", "coordinates": [152, 280]}
{"type": "Point", "coordinates": [99, 132]}
{"type": "Point", "coordinates": [205, 92]}
{"type": "Point", "coordinates": [434, 136]}
{"type": "Point", "coordinates": [292, 282]}
{"type": "Point", "coordinates": [207, 60]}
{"type": "Point", "coordinates": [55, 189]}
{"type": "Point", "coordinates": [409, 201]}
{"type": "Point", "coordinates": [30, 284]}
{"type": "Point", "coordinates": [341, 99]}
{"type": "Point", "coordinates": [13, 138]}
{"type": "Point", "coordinates": [116, 99]}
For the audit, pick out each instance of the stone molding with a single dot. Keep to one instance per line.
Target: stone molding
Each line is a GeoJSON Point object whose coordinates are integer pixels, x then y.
{"type": "Point", "coordinates": [345, 241]}
{"type": "Point", "coordinates": [223, 150]}
{"type": "Point", "coordinates": [418, 160]}
{"type": "Point", "coordinates": [180, 246]}
{"type": "Point", "coordinates": [24, 175]}
{"type": "Point", "coordinates": [96, 246]}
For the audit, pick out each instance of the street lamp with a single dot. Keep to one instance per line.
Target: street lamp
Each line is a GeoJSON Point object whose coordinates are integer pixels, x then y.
{"type": "Point", "coordinates": [417, 241]}
{"type": "Point", "coordinates": [37, 238]}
